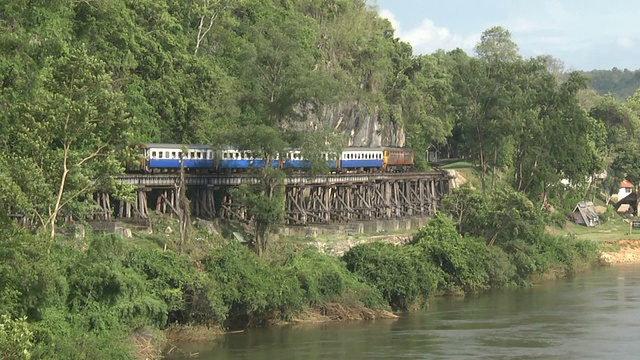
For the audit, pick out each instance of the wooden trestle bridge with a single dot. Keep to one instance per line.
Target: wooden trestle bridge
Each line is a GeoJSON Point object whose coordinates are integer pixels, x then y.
{"type": "Point", "coordinates": [309, 200]}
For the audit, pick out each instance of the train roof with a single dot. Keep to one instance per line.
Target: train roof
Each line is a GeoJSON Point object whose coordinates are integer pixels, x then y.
{"type": "Point", "coordinates": [397, 148]}
{"type": "Point", "coordinates": [361, 148]}
{"type": "Point", "coordinates": [176, 146]}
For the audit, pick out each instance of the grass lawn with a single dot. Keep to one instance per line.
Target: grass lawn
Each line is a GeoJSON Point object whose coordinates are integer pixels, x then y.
{"type": "Point", "coordinates": [612, 230]}
{"type": "Point", "coordinates": [467, 169]}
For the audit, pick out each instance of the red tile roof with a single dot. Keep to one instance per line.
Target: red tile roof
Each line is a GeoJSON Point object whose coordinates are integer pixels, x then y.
{"type": "Point", "coordinates": [626, 184]}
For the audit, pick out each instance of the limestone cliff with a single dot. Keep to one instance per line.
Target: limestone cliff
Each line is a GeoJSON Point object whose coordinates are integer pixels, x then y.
{"type": "Point", "coordinates": [362, 125]}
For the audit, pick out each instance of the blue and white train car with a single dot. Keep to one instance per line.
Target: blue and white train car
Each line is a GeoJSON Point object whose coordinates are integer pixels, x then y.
{"type": "Point", "coordinates": [168, 156]}
{"type": "Point", "coordinates": [293, 159]}
{"type": "Point", "coordinates": [230, 159]}
{"type": "Point", "coordinates": [361, 158]}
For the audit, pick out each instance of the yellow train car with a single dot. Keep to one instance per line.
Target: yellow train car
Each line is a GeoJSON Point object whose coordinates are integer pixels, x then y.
{"type": "Point", "coordinates": [397, 159]}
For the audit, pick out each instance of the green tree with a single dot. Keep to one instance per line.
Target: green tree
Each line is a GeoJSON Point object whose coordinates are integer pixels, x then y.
{"type": "Point", "coordinates": [74, 134]}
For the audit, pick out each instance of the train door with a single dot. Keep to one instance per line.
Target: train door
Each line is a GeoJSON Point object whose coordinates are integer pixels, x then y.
{"type": "Point", "coordinates": [385, 159]}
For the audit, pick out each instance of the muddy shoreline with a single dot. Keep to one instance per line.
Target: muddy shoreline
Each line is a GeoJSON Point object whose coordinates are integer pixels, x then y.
{"type": "Point", "coordinates": [621, 252]}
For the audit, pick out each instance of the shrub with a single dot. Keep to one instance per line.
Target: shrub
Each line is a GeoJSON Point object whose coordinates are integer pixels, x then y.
{"type": "Point", "coordinates": [16, 338]}
{"type": "Point", "coordinates": [108, 293]}
{"type": "Point", "coordinates": [500, 270]}
{"type": "Point", "coordinates": [325, 278]}
{"type": "Point", "coordinates": [459, 258]}
{"type": "Point", "coordinates": [398, 272]}
{"type": "Point", "coordinates": [246, 291]}
{"type": "Point", "coordinates": [172, 278]}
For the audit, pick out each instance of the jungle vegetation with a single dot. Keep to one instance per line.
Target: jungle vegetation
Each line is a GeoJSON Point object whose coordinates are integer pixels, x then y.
{"type": "Point", "coordinates": [80, 81]}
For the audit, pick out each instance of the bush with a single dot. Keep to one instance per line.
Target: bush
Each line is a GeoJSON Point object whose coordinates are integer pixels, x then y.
{"type": "Point", "coordinates": [567, 254]}
{"type": "Point", "coordinates": [459, 258]}
{"type": "Point", "coordinates": [172, 278]}
{"type": "Point", "coordinates": [108, 293]}
{"type": "Point", "coordinates": [500, 270]}
{"type": "Point", "coordinates": [325, 278]}
{"type": "Point", "coordinates": [246, 291]}
{"type": "Point", "coordinates": [16, 338]}
{"type": "Point", "coordinates": [61, 335]}
{"type": "Point", "coordinates": [398, 272]}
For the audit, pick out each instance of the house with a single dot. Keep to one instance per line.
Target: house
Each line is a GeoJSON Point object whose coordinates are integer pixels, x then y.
{"type": "Point", "coordinates": [626, 188]}
{"type": "Point", "coordinates": [585, 214]}
{"type": "Point", "coordinates": [629, 204]}
{"type": "Point", "coordinates": [432, 154]}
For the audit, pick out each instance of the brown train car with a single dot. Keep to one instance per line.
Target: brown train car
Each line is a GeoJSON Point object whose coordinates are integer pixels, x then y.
{"type": "Point", "coordinates": [397, 159]}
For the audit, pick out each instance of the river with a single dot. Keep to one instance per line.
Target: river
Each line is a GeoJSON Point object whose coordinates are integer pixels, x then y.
{"type": "Point", "coordinates": [595, 315]}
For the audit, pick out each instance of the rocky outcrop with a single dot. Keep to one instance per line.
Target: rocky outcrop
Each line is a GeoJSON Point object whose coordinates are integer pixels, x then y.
{"type": "Point", "coordinates": [363, 125]}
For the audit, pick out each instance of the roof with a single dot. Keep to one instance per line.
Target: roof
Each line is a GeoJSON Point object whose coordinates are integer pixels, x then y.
{"type": "Point", "coordinates": [175, 146]}
{"type": "Point", "coordinates": [588, 212]}
{"type": "Point", "coordinates": [626, 184]}
{"type": "Point", "coordinates": [358, 148]}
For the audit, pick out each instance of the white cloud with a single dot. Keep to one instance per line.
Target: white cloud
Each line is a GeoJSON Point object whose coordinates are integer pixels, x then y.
{"type": "Point", "coordinates": [625, 42]}
{"type": "Point", "coordinates": [386, 14]}
{"type": "Point", "coordinates": [428, 37]}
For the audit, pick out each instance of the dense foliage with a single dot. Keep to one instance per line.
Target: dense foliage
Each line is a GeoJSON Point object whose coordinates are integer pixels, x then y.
{"type": "Point", "coordinates": [621, 84]}
{"type": "Point", "coordinates": [80, 81]}
{"type": "Point", "coordinates": [83, 299]}
{"type": "Point", "coordinates": [440, 260]}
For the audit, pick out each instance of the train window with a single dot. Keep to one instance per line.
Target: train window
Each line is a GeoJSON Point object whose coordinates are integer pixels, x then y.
{"type": "Point", "coordinates": [153, 154]}
{"type": "Point", "coordinates": [160, 154]}
{"type": "Point", "coordinates": [199, 155]}
{"type": "Point", "coordinates": [166, 154]}
{"type": "Point", "coordinates": [192, 155]}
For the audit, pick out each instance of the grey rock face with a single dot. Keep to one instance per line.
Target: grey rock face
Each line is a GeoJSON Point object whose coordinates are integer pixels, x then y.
{"type": "Point", "coordinates": [361, 125]}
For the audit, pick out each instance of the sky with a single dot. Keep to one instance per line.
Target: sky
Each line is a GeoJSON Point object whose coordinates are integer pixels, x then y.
{"type": "Point", "coordinates": [584, 34]}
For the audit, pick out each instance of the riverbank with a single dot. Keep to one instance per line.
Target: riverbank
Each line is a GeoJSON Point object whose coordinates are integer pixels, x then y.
{"type": "Point", "coordinates": [621, 251]}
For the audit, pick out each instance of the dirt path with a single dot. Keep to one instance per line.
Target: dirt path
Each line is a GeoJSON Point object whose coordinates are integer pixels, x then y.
{"type": "Point", "coordinates": [622, 252]}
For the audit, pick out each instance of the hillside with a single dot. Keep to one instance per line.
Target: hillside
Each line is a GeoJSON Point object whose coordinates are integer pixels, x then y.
{"type": "Point", "coordinates": [619, 83]}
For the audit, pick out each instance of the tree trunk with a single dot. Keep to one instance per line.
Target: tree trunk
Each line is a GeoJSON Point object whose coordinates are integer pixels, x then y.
{"type": "Point", "coordinates": [495, 161]}
{"type": "Point", "coordinates": [183, 207]}
{"type": "Point", "coordinates": [53, 214]}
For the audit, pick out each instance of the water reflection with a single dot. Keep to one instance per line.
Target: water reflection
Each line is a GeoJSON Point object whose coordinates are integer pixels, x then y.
{"type": "Point", "coordinates": [595, 315]}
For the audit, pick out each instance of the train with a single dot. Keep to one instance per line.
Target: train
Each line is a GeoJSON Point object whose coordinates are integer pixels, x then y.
{"type": "Point", "coordinates": [157, 157]}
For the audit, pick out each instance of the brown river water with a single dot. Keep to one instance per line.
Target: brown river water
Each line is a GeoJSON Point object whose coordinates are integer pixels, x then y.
{"type": "Point", "coordinates": [594, 315]}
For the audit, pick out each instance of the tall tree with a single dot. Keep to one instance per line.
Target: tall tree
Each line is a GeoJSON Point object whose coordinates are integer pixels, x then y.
{"type": "Point", "coordinates": [75, 134]}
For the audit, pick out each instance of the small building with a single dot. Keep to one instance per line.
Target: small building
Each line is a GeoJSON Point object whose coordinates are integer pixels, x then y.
{"type": "Point", "coordinates": [585, 214]}
{"type": "Point", "coordinates": [432, 154]}
{"type": "Point", "coordinates": [628, 205]}
{"type": "Point", "coordinates": [626, 188]}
